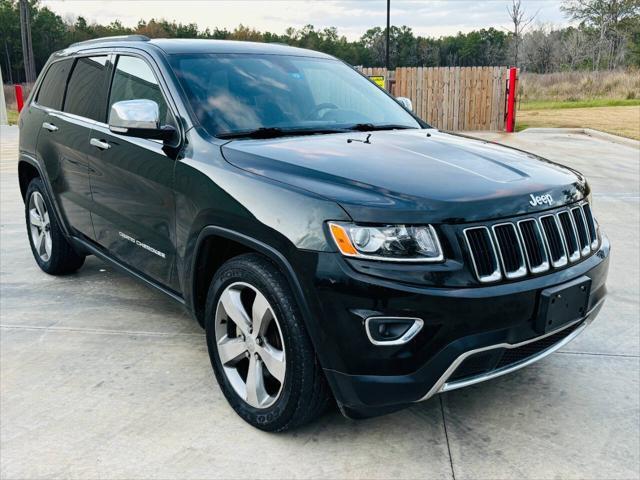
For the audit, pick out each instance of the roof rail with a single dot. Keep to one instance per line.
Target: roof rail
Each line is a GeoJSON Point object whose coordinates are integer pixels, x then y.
{"type": "Point", "coordinates": [117, 38]}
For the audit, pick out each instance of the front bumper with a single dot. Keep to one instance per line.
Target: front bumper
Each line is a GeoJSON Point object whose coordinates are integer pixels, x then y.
{"type": "Point", "coordinates": [466, 333]}
{"type": "Point", "coordinates": [550, 342]}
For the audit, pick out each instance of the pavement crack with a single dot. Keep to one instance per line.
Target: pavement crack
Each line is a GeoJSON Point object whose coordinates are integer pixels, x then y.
{"type": "Point", "coordinates": [99, 331]}
{"type": "Point", "coordinates": [446, 436]}
{"type": "Point", "coordinates": [598, 354]}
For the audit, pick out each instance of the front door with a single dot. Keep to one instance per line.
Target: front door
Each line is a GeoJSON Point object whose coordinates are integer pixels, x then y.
{"type": "Point", "coordinates": [132, 182]}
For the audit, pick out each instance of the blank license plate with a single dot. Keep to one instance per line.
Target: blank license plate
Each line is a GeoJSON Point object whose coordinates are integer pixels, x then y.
{"type": "Point", "coordinates": [562, 304]}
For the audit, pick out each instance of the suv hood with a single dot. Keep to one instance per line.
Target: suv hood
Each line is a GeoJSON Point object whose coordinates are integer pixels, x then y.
{"type": "Point", "coordinates": [405, 176]}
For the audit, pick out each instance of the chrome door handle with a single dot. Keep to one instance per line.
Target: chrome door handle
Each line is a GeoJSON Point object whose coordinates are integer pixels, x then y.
{"type": "Point", "coordinates": [100, 144]}
{"type": "Point", "coordinates": [50, 126]}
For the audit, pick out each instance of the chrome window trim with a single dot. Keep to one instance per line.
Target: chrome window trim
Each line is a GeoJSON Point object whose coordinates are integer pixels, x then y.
{"type": "Point", "coordinates": [442, 386]}
{"type": "Point", "coordinates": [496, 275]}
{"type": "Point", "coordinates": [544, 266]}
{"type": "Point", "coordinates": [522, 271]}
{"type": "Point", "coordinates": [564, 260]}
{"type": "Point", "coordinates": [418, 323]}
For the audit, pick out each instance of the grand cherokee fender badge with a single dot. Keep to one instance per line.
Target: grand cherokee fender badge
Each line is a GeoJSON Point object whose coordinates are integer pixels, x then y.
{"type": "Point", "coordinates": [541, 200]}
{"type": "Point", "coordinates": [142, 245]}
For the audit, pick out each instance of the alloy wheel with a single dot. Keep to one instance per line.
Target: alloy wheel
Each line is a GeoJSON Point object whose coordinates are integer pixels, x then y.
{"type": "Point", "coordinates": [40, 226]}
{"type": "Point", "coordinates": [250, 345]}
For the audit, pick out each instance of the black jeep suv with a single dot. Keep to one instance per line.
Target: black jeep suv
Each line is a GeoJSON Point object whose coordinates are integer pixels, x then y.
{"type": "Point", "coordinates": [331, 243]}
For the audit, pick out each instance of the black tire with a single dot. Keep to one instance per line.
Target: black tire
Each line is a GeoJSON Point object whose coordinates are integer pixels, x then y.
{"type": "Point", "coordinates": [63, 259]}
{"type": "Point", "coordinates": [304, 393]}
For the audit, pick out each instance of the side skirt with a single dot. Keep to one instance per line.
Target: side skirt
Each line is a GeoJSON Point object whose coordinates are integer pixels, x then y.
{"type": "Point", "coordinates": [89, 247]}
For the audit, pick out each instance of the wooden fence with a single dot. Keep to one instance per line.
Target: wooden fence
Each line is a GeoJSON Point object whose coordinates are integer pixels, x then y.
{"type": "Point", "coordinates": [452, 98]}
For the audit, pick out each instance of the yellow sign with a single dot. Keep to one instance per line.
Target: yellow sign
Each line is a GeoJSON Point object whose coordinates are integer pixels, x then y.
{"type": "Point", "coordinates": [378, 80]}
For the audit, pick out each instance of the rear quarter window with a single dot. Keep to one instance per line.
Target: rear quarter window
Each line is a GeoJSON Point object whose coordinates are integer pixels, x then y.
{"type": "Point", "coordinates": [86, 93]}
{"type": "Point", "coordinates": [53, 85]}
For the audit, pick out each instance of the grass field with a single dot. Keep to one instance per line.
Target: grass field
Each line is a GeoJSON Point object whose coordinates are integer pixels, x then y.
{"type": "Point", "coordinates": [596, 102]}
{"type": "Point", "coordinates": [618, 120]}
{"type": "Point", "coordinates": [579, 86]}
{"type": "Point", "coordinates": [12, 116]}
{"type": "Point", "coordinates": [605, 100]}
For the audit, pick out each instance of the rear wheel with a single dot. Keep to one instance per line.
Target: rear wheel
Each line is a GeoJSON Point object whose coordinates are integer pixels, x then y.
{"type": "Point", "coordinates": [50, 248]}
{"type": "Point", "coordinates": [259, 348]}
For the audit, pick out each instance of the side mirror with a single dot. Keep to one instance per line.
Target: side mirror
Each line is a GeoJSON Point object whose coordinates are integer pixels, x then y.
{"type": "Point", "coordinates": [138, 118]}
{"type": "Point", "coordinates": [405, 102]}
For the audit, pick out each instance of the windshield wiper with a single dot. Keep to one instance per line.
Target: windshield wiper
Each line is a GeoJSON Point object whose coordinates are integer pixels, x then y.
{"type": "Point", "coordinates": [275, 132]}
{"type": "Point", "coordinates": [370, 127]}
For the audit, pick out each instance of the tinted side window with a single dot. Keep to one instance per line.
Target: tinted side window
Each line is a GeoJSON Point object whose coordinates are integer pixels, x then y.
{"type": "Point", "coordinates": [134, 80]}
{"type": "Point", "coordinates": [52, 88]}
{"type": "Point", "coordinates": [86, 93]}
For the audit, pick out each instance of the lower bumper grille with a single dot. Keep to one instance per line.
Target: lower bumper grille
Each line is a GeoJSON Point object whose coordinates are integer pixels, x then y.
{"type": "Point", "coordinates": [499, 358]}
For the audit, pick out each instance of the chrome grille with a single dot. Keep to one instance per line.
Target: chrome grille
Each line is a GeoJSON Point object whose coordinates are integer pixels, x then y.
{"type": "Point", "coordinates": [535, 250]}
{"type": "Point", "coordinates": [570, 235]}
{"type": "Point", "coordinates": [581, 228]}
{"type": "Point", "coordinates": [591, 225]}
{"type": "Point", "coordinates": [554, 240]}
{"type": "Point", "coordinates": [510, 250]}
{"type": "Point", "coordinates": [533, 245]}
{"type": "Point", "coordinates": [485, 258]}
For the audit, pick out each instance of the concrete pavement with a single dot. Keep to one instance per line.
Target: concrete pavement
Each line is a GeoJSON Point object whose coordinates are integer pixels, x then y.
{"type": "Point", "coordinates": [102, 377]}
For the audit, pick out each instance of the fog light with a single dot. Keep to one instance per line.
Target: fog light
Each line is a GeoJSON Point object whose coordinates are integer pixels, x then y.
{"type": "Point", "coordinates": [392, 330]}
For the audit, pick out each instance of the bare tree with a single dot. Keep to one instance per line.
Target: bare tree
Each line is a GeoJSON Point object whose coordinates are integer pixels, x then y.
{"type": "Point", "coordinates": [520, 22]}
{"type": "Point", "coordinates": [542, 49]}
{"type": "Point", "coordinates": [609, 17]}
{"type": "Point", "coordinates": [576, 48]}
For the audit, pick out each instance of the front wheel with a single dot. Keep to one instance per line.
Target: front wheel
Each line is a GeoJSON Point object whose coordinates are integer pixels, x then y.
{"type": "Point", "coordinates": [259, 349]}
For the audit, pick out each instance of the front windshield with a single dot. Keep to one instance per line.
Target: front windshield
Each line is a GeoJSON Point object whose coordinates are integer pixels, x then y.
{"type": "Point", "coordinates": [244, 92]}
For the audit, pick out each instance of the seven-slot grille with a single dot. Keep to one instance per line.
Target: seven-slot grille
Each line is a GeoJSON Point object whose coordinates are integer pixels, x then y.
{"type": "Point", "coordinates": [533, 245]}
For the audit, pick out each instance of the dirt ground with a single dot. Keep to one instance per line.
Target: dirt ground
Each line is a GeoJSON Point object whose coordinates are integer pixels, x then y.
{"type": "Point", "coordinates": [624, 121]}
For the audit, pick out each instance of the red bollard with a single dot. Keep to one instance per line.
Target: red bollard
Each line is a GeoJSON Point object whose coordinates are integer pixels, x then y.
{"type": "Point", "coordinates": [19, 97]}
{"type": "Point", "coordinates": [511, 100]}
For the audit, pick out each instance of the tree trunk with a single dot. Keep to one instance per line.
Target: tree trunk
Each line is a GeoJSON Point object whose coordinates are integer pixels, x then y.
{"type": "Point", "coordinates": [9, 66]}
{"type": "Point", "coordinates": [27, 47]}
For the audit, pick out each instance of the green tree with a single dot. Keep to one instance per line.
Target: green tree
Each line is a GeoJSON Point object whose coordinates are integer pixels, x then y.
{"type": "Point", "coordinates": [49, 33]}
{"type": "Point", "coordinates": [608, 36]}
{"type": "Point", "coordinates": [10, 46]}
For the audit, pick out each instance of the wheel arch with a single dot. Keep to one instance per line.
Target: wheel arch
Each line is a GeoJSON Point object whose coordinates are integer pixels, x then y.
{"type": "Point", "coordinates": [27, 171]}
{"type": "Point", "coordinates": [208, 258]}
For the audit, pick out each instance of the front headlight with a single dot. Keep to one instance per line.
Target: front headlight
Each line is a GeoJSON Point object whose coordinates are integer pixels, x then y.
{"type": "Point", "coordinates": [400, 243]}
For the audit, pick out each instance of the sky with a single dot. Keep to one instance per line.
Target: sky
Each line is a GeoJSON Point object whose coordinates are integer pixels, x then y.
{"type": "Point", "coordinates": [352, 17]}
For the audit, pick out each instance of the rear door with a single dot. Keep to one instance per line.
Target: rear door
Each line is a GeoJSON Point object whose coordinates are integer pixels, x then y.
{"type": "Point", "coordinates": [74, 96]}
{"type": "Point", "coordinates": [132, 180]}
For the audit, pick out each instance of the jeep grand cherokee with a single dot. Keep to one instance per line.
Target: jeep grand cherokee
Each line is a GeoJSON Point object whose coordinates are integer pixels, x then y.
{"type": "Point", "coordinates": [332, 244]}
